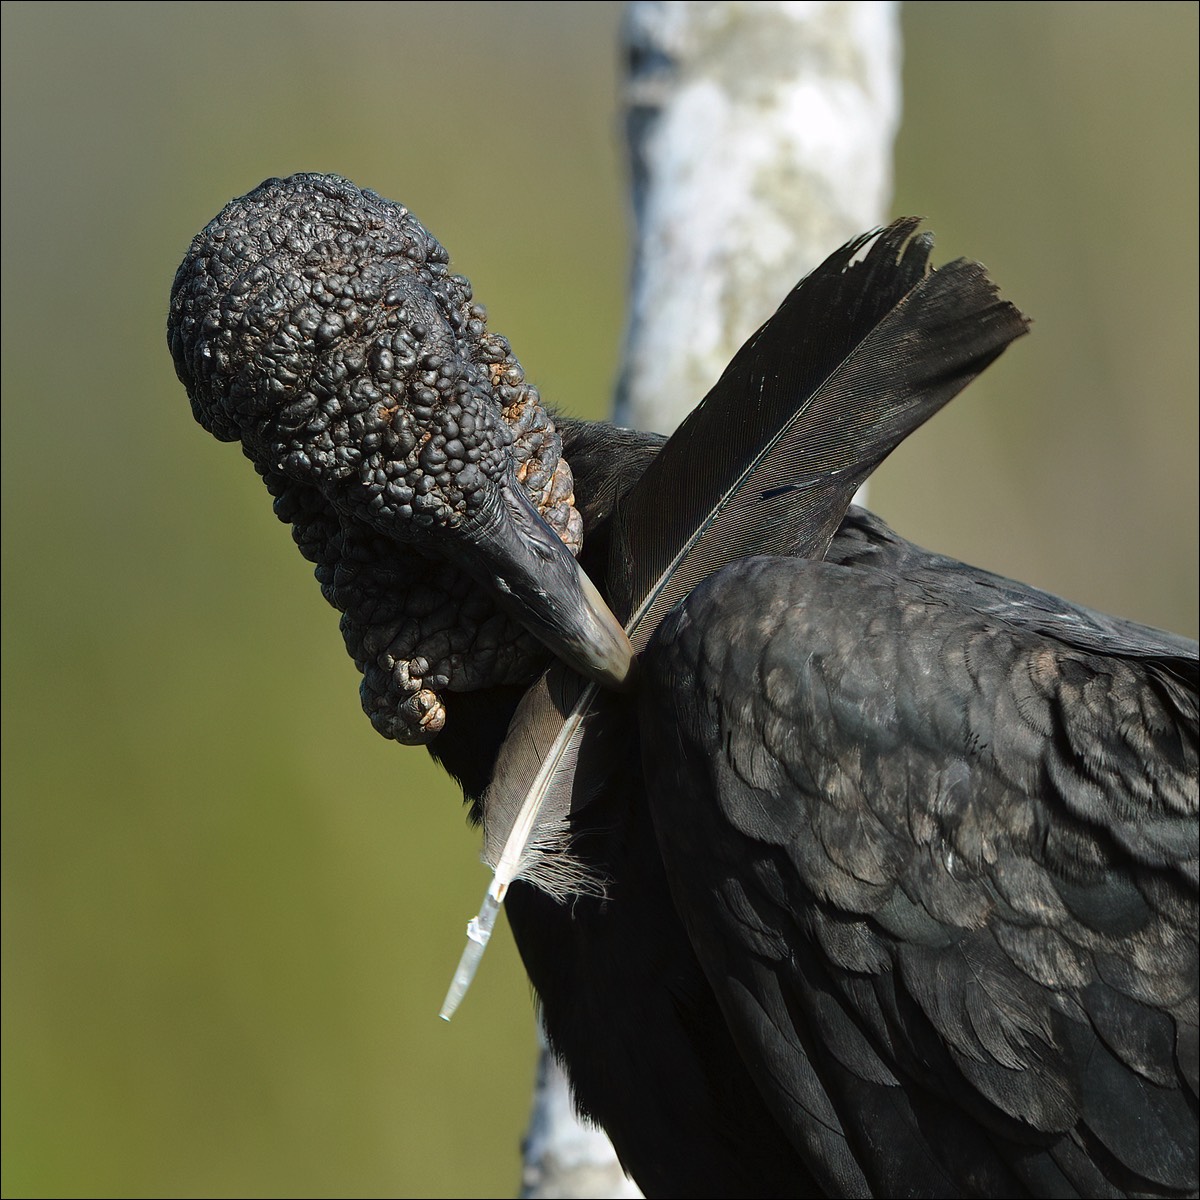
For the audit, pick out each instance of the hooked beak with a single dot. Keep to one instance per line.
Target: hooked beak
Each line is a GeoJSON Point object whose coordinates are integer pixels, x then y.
{"type": "Point", "coordinates": [537, 581]}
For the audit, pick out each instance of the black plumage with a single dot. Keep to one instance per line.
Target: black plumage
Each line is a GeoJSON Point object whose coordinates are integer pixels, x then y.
{"type": "Point", "coordinates": [882, 880]}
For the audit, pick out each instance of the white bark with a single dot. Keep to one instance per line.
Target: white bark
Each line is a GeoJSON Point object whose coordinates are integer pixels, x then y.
{"type": "Point", "coordinates": [563, 1156]}
{"type": "Point", "coordinates": [760, 139]}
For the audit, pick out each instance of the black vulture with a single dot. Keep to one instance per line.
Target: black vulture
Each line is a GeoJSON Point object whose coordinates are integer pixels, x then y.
{"type": "Point", "coordinates": [875, 874]}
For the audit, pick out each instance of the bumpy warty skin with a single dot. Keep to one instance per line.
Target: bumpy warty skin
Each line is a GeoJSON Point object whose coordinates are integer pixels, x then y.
{"type": "Point", "coordinates": [319, 324]}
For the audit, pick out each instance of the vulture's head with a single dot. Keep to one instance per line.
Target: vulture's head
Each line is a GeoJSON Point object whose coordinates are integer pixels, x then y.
{"type": "Point", "coordinates": [319, 325]}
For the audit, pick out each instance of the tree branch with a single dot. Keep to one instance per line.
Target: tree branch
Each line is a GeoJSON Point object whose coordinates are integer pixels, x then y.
{"type": "Point", "coordinates": [760, 138]}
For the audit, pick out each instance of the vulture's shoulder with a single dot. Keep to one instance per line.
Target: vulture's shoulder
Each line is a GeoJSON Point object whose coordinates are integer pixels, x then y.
{"type": "Point", "coordinates": [864, 541]}
{"type": "Point", "coordinates": [954, 821]}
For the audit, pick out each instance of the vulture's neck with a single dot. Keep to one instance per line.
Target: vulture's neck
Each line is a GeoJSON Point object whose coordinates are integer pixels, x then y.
{"type": "Point", "coordinates": [606, 462]}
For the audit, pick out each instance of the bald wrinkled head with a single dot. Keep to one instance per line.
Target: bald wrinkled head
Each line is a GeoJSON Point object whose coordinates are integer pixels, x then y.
{"type": "Point", "coordinates": [319, 325]}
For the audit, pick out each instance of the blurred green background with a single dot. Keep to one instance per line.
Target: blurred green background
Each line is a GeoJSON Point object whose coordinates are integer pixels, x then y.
{"type": "Point", "coordinates": [231, 910]}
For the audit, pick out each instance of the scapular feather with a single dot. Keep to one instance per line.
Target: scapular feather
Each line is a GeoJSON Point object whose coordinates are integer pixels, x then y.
{"type": "Point", "coordinates": [862, 351]}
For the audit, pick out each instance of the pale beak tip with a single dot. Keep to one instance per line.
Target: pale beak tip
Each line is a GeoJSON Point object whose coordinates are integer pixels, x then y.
{"type": "Point", "coordinates": [609, 653]}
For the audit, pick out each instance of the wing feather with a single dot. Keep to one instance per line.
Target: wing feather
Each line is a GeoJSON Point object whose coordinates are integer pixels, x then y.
{"type": "Point", "coordinates": [862, 352]}
{"type": "Point", "coordinates": [970, 866]}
